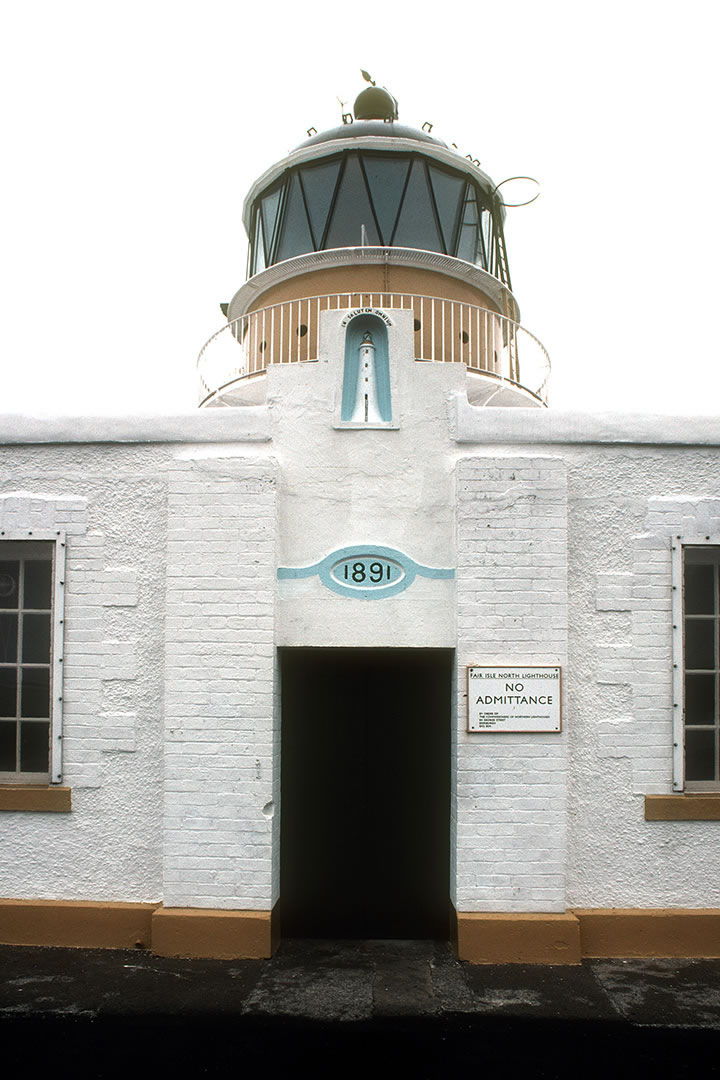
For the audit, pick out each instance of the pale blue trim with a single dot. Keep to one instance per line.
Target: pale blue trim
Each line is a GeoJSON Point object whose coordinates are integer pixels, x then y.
{"type": "Point", "coordinates": [353, 338]}
{"type": "Point", "coordinates": [323, 568]}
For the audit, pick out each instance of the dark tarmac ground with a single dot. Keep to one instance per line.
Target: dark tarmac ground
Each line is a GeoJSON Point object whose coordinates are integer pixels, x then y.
{"type": "Point", "coordinates": [345, 1008]}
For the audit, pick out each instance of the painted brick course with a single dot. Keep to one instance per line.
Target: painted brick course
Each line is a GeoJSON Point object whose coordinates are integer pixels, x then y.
{"type": "Point", "coordinates": [219, 695]}
{"type": "Point", "coordinates": [512, 609]}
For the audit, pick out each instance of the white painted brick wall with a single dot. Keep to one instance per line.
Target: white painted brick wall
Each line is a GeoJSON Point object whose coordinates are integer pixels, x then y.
{"type": "Point", "coordinates": [220, 783]}
{"type": "Point", "coordinates": [512, 609]}
{"type": "Point", "coordinates": [109, 502]}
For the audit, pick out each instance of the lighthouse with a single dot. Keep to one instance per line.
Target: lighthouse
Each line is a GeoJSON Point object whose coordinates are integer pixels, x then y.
{"type": "Point", "coordinates": [372, 644]}
{"type": "Point", "coordinates": [376, 214]}
{"type": "Point", "coordinates": [378, 297]}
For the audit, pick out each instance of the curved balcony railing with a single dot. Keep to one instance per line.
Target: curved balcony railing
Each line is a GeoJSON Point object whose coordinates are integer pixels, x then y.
{"type": "Point", "coordinates": [446, 331]}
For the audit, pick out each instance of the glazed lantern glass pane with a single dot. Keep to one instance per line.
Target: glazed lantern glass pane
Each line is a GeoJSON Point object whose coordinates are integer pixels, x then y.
{"type": "Point", "coordinates": [295, 238]}
{"type": "Point", "coordinates": [260, 262]}
{"type": "Point", "coordinates": [468, 242]}
{"type": "Point", "coordinates": [448, 192]}
{"type": "Point", "coordinates": [416, 227]}
{"type": "Point", "coordinates": [319, 183]}
{"type": "Point", "coordinates": [386, 179]}
{"type": "Point", "coordinates": [352, 210]}
{"type": "Point", "coordinates": [270, 206]}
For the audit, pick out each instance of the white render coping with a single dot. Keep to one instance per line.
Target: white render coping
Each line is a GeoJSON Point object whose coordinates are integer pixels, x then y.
{"type": "Point", "coordinates": [468, 424]}
{"type": "Point", "coordinates": [232, 425]}
{"type": "Point", "coordinates": [487, 426]}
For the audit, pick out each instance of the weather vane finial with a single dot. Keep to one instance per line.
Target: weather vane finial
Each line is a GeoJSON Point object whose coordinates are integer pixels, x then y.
{"type": "Point", "coordinates": [366, 77]}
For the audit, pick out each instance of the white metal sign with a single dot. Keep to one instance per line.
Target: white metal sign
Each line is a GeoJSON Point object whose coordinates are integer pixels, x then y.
{"type": "Point", "coordinates": [514, 699]}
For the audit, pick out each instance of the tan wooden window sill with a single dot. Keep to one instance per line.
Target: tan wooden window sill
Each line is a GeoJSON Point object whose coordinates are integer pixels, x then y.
{"type": "Point", "coordinates": [45, 798]}
{"type": "Point", "coordinates": [685, 807]}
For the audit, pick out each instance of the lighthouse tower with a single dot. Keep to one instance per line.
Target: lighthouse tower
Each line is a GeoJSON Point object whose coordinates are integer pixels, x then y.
{"type": "Point", "coordinates": [372, 645]}
{"type": "Point", "coordinates": [378, 304]}
{"type": "Point", "coordinates": [376, 214]}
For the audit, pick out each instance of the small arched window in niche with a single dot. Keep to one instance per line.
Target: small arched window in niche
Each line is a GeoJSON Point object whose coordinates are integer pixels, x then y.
{"type": "Point", "coordinates": [366, 374]}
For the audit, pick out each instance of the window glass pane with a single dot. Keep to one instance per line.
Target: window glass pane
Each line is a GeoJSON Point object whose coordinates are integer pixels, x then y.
{"type": "Point", "coordinates": [483, 255]}
{"type": "Point", "coordinates": [416, 227]}
{"type": "Point", "coordinates": [386, 178]}
{"type": "Point", "coordinates": [448, 192]}
{"type": "Point", "coordinates": [319, 187]}
{"type": "Point", "coordinates": [35, 692]}
{"type": "Point", "coordinates": [699, 699]}
{"type": "Point", "coordinates": [8, 638]}
{"type": "Point", "coordinates": [38, 584]}
{"type": "Point", "coordinates": [8, 692]}
{"type": "Point", "coordinates": [700, 643]}
{"type": "Point", "coordinates": [699, 588]}
{"type": "Point", "coordinates": [36, 639]}
{"type": "Point", "coordinates": [295, 237]}
{"type": "Point", "coordinates": [468, 242]}
{"type": "Point", "coordinates": [352, 210]}
{"type": "Point", "coordinates": [8, 735]}
{"type": "Point", "coordinates": [700, 755]}
{"type": "Point", "coordinates": [269, 212]}
{"type": "Point", "coordinates": [9, 572]}
{"type": "Point", "coordinates": [259, 246]}
{"type": "Point", "coordinates": [34, 747]}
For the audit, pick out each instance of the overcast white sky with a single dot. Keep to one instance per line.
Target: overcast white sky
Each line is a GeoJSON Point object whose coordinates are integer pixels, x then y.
{"type": "Point", "coordinates": [132, 131]}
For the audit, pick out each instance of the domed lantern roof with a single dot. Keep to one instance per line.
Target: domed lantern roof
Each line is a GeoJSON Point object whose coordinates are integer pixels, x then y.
{"type": "Point", "coordinates": [372, 182]}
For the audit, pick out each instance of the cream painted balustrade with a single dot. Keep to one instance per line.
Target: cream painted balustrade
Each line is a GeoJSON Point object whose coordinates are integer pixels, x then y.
{"type": "Point", "coordinates": [446, 331]}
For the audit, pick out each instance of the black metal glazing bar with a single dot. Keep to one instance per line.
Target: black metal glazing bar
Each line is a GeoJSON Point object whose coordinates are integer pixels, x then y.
{"type": "Point", "coordinates": [333, 201]}
{"type": "Point", "coordinates": [438, 223]}
{"type": "Point", "coordinates": [411, 165]}
{"type": "Point", "coordinates": [370, 198]}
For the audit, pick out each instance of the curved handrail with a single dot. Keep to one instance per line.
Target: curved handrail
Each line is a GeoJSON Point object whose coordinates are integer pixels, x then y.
{"type": "Point", "coordinates": [445, 331]}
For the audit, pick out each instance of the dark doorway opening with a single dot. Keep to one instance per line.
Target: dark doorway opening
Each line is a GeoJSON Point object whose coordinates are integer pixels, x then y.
{"type": "Point", "coordinates": [365, 826]}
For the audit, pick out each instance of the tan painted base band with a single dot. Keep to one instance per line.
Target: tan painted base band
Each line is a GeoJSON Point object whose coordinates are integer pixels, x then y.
{"type": "Point", "coordinates": [482, 937]}
{"type": "Point", "coordinates": [79, 924]}
{"type": "Point", "coordinates": [86, 924]}
{"type": "Point", "coordinates": [637, 932]}
{"type": "Point", "coordinates": [499, 938]}
{"type": "Point", "coordinates": [43, 798]}
{"type": "Point", "coordinates": [227, 935]}
{"type": "Point", "coordinates": [588, 933]}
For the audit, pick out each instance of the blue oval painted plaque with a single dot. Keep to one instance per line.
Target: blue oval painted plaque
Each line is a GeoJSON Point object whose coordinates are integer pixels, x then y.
{"type": "Point", "coordinates": [370, 571]}
{"type": "Point", "coordinates": [365, 572]}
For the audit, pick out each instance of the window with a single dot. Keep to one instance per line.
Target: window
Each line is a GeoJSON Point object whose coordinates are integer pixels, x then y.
{"type": "Point", "coordinates": [402, 200]}
{"type": "Point", "coordinates": [697, 667]}
{"type": "Point", "coordinates": [31, 592]}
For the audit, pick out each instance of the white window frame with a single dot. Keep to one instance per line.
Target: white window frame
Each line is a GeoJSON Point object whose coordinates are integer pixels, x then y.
{"type": "Point", "coordinates": [57, 539]}
{"type": "Point", "coordinates": [679, 543]}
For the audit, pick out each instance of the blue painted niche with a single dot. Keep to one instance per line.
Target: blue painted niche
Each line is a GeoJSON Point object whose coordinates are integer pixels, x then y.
{"type": "Point", "coordinates": [356, 329]}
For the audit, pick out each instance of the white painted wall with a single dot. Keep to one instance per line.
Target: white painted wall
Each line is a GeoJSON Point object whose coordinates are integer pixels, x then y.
{"type": "Point", "coordinates": [340, 486]}
{"type": "Point", "coordinates": [111, 502]}
{"type": "Point", "coordinates": [560, 528]}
